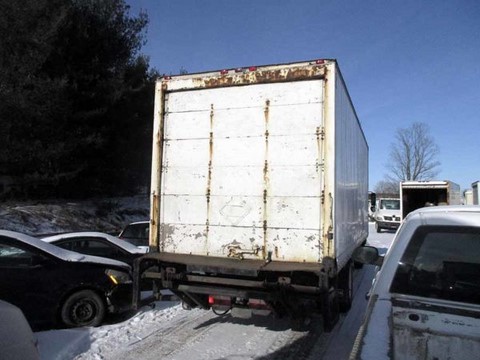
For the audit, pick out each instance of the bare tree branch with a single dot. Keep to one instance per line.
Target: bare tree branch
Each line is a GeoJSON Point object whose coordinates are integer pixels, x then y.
{"type": "Point", "coordinates": [413, 155]}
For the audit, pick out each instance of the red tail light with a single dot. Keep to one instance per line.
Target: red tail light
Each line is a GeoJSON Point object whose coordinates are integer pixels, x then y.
{"type": "Point", "coordinates": [219, 300]}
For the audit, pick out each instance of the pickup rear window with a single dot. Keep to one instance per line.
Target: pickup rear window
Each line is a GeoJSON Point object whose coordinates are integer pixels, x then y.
{"type": "Point", "coordinates": [441, 262]}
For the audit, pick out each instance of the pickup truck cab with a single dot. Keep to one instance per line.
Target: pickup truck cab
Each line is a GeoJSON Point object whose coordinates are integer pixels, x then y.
{"type": "Point", "coordinates": [425, 301]}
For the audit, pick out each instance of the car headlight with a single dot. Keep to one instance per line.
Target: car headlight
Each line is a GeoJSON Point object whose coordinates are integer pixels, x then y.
{"type": "Point", "coordinates": [118, 277]}
{"type": "Point", "coordinates": [379, 218]}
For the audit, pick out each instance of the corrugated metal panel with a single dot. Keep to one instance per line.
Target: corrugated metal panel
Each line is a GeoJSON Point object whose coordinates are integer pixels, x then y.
{"type": "Point", "coordinates": [242, 172]}
{"type": "Point", "coordinates": [351, 177]}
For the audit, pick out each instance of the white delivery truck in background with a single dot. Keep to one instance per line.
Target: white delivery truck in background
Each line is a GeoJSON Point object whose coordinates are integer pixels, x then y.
{"type": "Point", "coordinates": [387, 213]}
{"type": "Point", "coordinates": [418, 194]}
{"type": "Point", "coordinates": [259, 191]}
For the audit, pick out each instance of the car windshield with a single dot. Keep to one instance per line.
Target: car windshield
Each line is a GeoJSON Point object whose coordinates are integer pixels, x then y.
{"type": "Point", "coordinates": [136, 231]}
{"type": "Point", "coordinates": [390, 204]}
{"type": "Point", "coordinates": [136, 234]}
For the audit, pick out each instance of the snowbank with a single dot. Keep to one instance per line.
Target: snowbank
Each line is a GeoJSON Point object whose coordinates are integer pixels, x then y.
{"type": "Point", "coordinates": [51, 217]}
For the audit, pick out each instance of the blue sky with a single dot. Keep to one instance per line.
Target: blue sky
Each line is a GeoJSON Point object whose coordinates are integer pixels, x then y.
{"type": "Point", "coordinates": [403, 61]}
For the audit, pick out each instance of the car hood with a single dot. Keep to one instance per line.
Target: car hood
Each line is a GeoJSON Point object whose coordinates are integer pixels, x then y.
{"type": "Point", "coordinates": [98, 260]}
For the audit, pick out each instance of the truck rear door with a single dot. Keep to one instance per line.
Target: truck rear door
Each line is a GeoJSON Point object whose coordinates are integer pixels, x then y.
{"type": "Point", "coordinates": [242, 171]}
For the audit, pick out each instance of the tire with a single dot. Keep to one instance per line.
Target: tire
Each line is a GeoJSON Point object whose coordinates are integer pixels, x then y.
{"type": "Point", "coordinates": [345, 285]}
{"type": "Point", "coordinates": [330, 309]}
{"type": "Point", "coordinates": [83, 308]}
{"type": "Point", "coordinates": [378, 228]}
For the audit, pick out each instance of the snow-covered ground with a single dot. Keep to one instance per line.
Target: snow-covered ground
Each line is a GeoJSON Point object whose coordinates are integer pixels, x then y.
{"type": "Point", "coordinates": [169, 332]}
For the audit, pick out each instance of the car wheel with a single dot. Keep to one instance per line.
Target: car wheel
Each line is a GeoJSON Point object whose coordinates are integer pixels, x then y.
{"type": "Point", "coordinates": [378, 228]}
{"type": "Point", "coordinates": [83, 308]}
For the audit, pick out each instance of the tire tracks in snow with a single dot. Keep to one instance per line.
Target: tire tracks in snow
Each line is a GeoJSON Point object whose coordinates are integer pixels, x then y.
{"type": "Point", "coordinates": [164, 342]}
{"type": "Point", "coordinates": [190, 333]}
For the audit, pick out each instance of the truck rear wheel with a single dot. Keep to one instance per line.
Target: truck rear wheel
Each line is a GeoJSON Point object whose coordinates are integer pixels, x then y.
{"type": "Point", "coordinates": [330, 311]}
{"type": "Point", "coordinates": [345, 285]}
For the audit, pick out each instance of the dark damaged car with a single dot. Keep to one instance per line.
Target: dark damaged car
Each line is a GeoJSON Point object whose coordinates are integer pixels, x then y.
{"type": "Point", "coordinates": [55, 287]}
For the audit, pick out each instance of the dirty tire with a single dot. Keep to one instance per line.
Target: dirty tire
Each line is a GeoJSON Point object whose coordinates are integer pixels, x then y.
{"type": "Point", "coordinates": [345, 284]}
{"type": "Point", "coordinates": [330, 310]}
{"type": "Point", "coordinates": [83, 308]}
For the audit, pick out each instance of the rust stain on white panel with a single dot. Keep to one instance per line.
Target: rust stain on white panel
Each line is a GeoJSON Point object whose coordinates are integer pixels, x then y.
{"type": "Point", "coordinates": [297, 245]}
{"type": "Point", "coordinates": [210, 173]}
{"type": "Point", "coordinates": [238, 242]}
{"type": "Point", "coordinates": [280, 95]}
{"type": "Point", "coordinates": [266, 181]}
{"type": "Point", "coordinates": [184, 239]}
{"type": "Point", "coordinates": [261, 76]}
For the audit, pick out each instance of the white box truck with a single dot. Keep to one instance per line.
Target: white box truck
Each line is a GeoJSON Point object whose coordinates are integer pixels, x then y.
{"type": "Point", "coordinates": [418, 194]}
{"type": "Point", "coordinates": [259, 190]}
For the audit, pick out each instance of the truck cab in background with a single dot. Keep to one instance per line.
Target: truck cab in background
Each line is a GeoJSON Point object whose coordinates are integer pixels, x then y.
{"type": "Point", "coordinates": [387, 214]}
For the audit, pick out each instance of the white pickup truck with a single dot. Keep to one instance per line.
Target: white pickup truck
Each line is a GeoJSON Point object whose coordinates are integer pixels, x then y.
{"type": "Point", "coordinates": [425, 301]}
